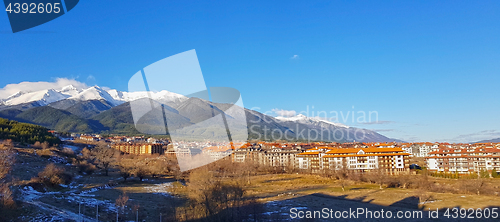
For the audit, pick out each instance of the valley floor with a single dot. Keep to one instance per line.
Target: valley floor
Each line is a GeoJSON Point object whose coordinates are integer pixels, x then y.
{"type": "Point", "coordinates": [276, 193]}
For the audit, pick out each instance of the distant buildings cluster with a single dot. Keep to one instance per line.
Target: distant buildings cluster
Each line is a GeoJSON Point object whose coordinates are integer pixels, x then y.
{"type": "Point", "coordinates": [390, 157]}
{"type": "Point", "coordinates": [326, 156]}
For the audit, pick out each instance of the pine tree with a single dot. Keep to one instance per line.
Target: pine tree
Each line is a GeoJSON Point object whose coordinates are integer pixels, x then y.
{"type": "Point", "coordinates": [494, 173]}
{"type": "Point", "coordinates": [484, 173]}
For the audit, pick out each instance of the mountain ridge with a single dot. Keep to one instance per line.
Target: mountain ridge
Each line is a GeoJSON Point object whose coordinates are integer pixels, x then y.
{"type": "Point", "coordinates": [96, 110]}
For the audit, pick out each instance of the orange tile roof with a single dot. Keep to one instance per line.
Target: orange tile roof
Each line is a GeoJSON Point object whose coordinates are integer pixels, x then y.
{"type": "Point", "coordinates": [366, 150]}
{"type": "Point", "coordinates": [362, 155]}
{"type": "Point", "coordinates": [309, 153]}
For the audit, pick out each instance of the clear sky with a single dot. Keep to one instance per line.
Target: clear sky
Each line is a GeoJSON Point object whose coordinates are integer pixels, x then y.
{"type": "Point", "coordinates": [430, 69]}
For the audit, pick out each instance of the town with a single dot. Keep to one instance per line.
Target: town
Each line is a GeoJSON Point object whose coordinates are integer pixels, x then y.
{"type": "Point", "coordinates": [391, 157]}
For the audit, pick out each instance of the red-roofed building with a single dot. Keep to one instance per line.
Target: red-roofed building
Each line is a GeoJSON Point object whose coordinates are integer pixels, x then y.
{"type": "Point", "coordinates": [392, 160]}
{"type": "Point", "coordinates": [464, 158]}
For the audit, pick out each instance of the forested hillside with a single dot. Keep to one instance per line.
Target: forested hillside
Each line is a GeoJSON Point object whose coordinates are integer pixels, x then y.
{"type": "Point", "coordinates": [25, 133]}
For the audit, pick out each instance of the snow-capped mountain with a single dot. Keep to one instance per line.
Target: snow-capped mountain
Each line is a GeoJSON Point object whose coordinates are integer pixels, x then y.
{"type": "Point", "coordinates": [70, 92]}
{"type": "Point", "coordinates": [43, 97]}
{"type": "Point", "coordinates": [95, 93]}
{"type": "Point", "coordinates": [300, 118]}
{"type": "Point", "coordinates": [163, 96]}
{"type": "Point", "coordinates": [328, 130]}
{"type": "Point", "coordinates": [98, 103]}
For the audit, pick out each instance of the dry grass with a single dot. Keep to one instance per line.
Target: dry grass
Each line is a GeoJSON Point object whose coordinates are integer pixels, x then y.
{"type": "Point", "coordinates": [284, 186]}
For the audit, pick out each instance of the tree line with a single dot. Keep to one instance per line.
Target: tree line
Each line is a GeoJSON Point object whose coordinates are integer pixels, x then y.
{"type": "Point", "coordinates": [26, 133]}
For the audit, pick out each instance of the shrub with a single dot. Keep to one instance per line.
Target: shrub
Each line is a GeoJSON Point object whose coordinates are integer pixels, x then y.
{"type": "Point", "coordinates": [6, 197]}
{"type": "Point", "coordinates": [45, 153]}
{"type": "Point", "coordinates": [85, 167]}
{"type": "Point", "coordinates": [68, 152]}
{"type": "Point", "coordinates": [475, 186]}
{"type": "Point", "coordinates": [53, 176]}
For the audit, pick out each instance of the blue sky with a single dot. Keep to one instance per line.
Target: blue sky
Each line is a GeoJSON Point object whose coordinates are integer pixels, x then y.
{"type": "Point", "coordinates": [430, 69]}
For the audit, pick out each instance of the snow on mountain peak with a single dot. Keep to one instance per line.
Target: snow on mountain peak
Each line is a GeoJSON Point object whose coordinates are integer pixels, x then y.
{"type": "Point", "coordinates": [70, 90]}
{"type": "Point", "coordinates": [95, 93]}
{"type": "Point", "coordinates": [301, 118]}
{"type": "Point", "coordinates": [115, 97]}
{"type": "Point", "coordinates": [163, 96]}
{"type": "Point", "coordinates": [17, 94]}
{"type": "Point", "coordinates": [43, 97]}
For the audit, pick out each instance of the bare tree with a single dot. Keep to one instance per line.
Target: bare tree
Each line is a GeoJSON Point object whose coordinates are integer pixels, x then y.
{"type": "Point", "coordinates": [121, 202]}
{"type": "Point", "coordinates": [7, 159]}
{"type": "Point", "coordinates": [6, 197]}
{"type": "Point", "coordinates": [379, 177]}
{"type": "Point", "coordinates": [159, 167]}
{"type": "Point", "coordinates": [125, 173]}
{"type": "Point", "coordinates": [141, 171]}
{"type": "Point", "coordinates": [86, 154]}
{"type": "Point", "coordinates": [104, 156]}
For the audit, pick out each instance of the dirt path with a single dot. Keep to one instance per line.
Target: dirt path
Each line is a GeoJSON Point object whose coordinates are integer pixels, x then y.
{"type": "Point", "coordinates": [65, 214]}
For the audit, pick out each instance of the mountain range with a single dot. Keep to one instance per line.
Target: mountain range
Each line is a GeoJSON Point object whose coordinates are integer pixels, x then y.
{"type": "Point", "coordinates": [100, 110]}
{"type": "Point", "coordinates": [497, 140]}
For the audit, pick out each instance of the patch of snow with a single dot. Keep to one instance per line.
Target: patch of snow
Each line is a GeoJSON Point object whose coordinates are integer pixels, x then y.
{"type": "Point", "coordinates": [161, 96]}
{"type": "Point", "coordinates": [74, 148]}
{"type": "Point", "coordinates": [43, 97]}
{"type": "Point", "coordinates": [95, 93]}
{"type": "Point", "coordinates": [161, 189]}
{"type": "Point", "coordinates": [56, 159]}
{"type": "Point", "coordinates": [300, 118]}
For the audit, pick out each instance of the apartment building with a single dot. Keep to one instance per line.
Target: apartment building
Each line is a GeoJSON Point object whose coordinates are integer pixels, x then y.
{"type": "Point", "coordinates": [421, 149]}
{"type": "Point", "coordinates": [176, 151]}
{"type": "Point", "coordinates": [218, 152]}
{"type": "Point", "coordinates": [312, 158]}
{"type": "Point", "coordinates": [138, 148]}
{"type": "Point", "coordinates": [392, 160]}
{"type": "Point", "coordinates": [279, 156]}
{"type": "Point", "coordinates": [246, 153]}
{"type": "Point", "coordinates": [464, 158]}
